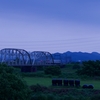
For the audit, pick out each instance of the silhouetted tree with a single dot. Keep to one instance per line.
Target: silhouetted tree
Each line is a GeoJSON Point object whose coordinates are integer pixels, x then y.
{"type": "Point", "coordinates": [90, 68]}
{"type": "Point", "coordinates": [12, 87]}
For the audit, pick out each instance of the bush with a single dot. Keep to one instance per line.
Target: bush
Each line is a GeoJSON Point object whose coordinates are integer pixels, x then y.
{"type": "Point", "coordinates": [76, 66]}
{"type": "Point", "coordinates": [39, 97]}
{"type": "Point", "coordinates": [95, 97]}
{"type": "Point", "coordinates": [90, 68]}
{"type": "Point", "coordinates": [53, 70]}
{"type": "Point", "coordinates": [12, 87]}
{"type": "Point", "coordinates": [38, 88]}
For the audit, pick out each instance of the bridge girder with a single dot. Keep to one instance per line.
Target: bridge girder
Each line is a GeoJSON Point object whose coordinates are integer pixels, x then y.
{"type": "Point", "coordinates": [12, 56]}
{"type": "Point", "coordinates": [19, 57]}
{"type": "Point", "coordinates": [41, 58]}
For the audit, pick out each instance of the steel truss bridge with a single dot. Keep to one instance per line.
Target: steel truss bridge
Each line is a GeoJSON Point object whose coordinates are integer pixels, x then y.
{"type": "Point", "coordinates": [21, 57]}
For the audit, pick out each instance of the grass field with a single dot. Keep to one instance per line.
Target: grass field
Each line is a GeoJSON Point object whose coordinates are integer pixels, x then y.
{"type": "Point", "coordinates": [48, 81]}
{"type": "Point", "coordinates": [38, 80]}
{"type": "Point", "coordinates": [68, 72]}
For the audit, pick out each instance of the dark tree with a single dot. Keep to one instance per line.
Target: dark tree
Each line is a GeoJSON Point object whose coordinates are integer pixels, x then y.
{"type": "Point", "coordinates": [12, 87]}
{"type": "Point", "coordinates": [90, 68]}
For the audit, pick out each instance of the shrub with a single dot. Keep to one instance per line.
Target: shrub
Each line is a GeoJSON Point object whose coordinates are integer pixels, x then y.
{"type": "Point", "coordinates": [39, 97]}
{"type": "Point", "coordinates": [53, 70]}
{"type": "Point", "coordinates": [12, 87]}
{"type": "Point", "coordinates": [76, 66]}
{"type": "Point", "coordinates": [95, 97]}
{"type": "Point", "coordinates": [51, 97]}
{"type": "Point", "coordinates": [38, 88]}
{"type": "Point", "coordinates": [90, 68]}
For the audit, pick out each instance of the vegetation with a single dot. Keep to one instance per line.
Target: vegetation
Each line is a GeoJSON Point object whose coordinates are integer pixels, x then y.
{"type": "Point", "coordinates": [53, 70]}
{"type": "Point", "coordinates": [48, 82]}
{"type": "Point", "coordinates": [90, 68]}
{"type": "Point", "coordinates": [12, 87]}
{"type": "Point", "coordinates": [42, 87]}
{"type": "Point", "coordinates": [45, 93]}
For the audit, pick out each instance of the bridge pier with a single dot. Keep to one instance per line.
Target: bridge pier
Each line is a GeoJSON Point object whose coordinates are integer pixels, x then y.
{"type": "Point", "coordinates": [28, 69]}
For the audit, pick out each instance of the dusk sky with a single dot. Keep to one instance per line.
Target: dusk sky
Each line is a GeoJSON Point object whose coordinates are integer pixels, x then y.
{"type": "Point", "coordinates": [50, 25]}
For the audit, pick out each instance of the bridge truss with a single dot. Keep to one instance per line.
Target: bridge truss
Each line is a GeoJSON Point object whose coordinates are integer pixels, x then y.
{"type": "Point", "coordinates": [20, 57]}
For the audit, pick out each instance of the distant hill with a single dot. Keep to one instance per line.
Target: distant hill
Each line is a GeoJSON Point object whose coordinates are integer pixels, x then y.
{"type": "Point", "coordinates": [76, 56]}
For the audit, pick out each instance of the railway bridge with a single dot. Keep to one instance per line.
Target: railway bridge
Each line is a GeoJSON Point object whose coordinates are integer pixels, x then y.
{"type": "Point", "coordinates": [24, 59]}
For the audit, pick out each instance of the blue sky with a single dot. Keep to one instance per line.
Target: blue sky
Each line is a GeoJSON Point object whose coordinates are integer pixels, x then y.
{"type": "Point", "coordinates": [50, 25]}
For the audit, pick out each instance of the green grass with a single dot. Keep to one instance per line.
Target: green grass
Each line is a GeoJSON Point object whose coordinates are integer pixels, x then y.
{"type": "Point", "coordinates": [38, 80]}
{"type": "Point", "coordinates": [68, 72]}
{"type": "Point", "coordinates": [48, 81]}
